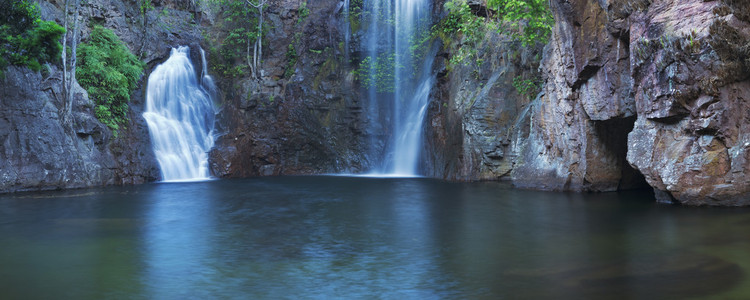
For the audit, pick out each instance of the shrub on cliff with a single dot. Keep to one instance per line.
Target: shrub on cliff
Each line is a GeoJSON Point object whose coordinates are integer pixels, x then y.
{"type": "Point", "coordinates": [25, 39]}
{"type": "Point", "coordinates": [109, 72]}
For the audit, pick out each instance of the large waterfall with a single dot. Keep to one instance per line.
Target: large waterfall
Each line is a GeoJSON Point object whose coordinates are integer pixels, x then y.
{"type": "Point", "coordinates": [400, 74]}
{"type": "Point", "coordinates": [180, 116]}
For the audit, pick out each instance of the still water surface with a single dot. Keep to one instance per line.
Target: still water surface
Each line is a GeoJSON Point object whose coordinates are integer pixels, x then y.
{"type": "Point", "coordinates": [355, 238]}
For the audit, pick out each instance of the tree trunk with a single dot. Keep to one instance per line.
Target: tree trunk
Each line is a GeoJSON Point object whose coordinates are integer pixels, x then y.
{"type": "Point", "coordinates": [65, 61]}
{"type": "Point", "coordinates": [249, 58]}
{"type": "Point", "coordinates": [73, 59]}
{"type": "Point", "coordinates": [259, 41]}
{"type": "Point", "coordinates": [258, 46]}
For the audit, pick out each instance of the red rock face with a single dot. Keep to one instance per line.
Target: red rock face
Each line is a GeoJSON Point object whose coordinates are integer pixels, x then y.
{"type": "Point", "coordinates": [679, 68]}
{"type": "Point", "coordinates": [692, 85]}
{"type": "Point", "coordinates": [579, 124]}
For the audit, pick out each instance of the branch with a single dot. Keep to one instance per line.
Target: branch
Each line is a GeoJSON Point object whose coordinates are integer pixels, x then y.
{"type": "Point", "coordinates": [260, 3]}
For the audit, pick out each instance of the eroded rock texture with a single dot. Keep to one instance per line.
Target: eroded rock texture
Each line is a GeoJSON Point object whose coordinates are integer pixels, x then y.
{"type": "Point", "coordinates": [579, 123]}
{"type": "Point", "coordinates": [632, 89]}
{"type": "Point", "coordinates": [672, 75]}
{"type": "Point", "coordinates": [691, 77]}
{"type": "Point", "coordinates": [473, 127]}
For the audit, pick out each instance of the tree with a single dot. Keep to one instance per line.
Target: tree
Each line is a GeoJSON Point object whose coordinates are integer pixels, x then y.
{"type": "Point", "coordinates": [258, 45]}
{"type": "Point", "coordinates": [531, 20]}
{"type": "Point", "coordinates": [26, 40]}
{"type": "Point", "coordinates": [69, 76]}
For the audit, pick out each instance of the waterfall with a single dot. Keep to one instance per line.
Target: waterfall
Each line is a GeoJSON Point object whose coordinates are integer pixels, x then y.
{"type": "Point", "coordinates": [180, 116]}
{"type": "Point", "coordinates": [347, 29]}
{"type": "Point", "coordinates": [400, 59]}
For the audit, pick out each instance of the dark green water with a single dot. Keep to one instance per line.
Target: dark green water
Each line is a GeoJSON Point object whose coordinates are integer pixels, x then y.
{"type": "Point", "coordinates": [355, 238]}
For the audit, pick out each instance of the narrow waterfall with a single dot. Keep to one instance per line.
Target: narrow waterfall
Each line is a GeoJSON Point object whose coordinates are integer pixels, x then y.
{"type": "Point", "coordinates": [180, 116]}
{"type": "Point", "coordinates": [399, 56]}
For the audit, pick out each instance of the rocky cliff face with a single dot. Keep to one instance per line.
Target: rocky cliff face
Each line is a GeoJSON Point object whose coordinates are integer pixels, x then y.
{"type": "Point", "coordinates": [579, 123]}
{"type": "Point", "coordinates": [633, 90]}
{"type": "Point", "coordinates": [673, 71]}
{"type": "Point", "coordinates": [39, 151]}
{"type": "Point", "coordinates": [307, 121]}
{"type": "Point", "coordinates": [690, 66]}
{"type": "Point", "coordinates": [473, 125]}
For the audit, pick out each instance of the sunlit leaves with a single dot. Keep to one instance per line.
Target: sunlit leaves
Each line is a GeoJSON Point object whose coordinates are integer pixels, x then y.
{"type": "Point", "coordinates": [530, 21]}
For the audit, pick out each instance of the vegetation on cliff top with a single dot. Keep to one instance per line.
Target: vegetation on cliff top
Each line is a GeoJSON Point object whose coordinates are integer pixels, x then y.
{"type": "Point", "coordinates": [526, 21]}
{"type": "Point", "coordinates": [109, 72]}
{"type": "Point", "coordinates": [25, 39]}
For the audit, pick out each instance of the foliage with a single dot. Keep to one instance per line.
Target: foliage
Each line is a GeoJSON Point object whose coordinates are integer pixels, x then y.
{"type": "Point", "coordinates": [109, 72]}
{"type": "Point", "coordinates": [461, 20]}
{"type": "Point", "coordinates": [356, 9]}
{"type": "Point", "coordinates": [25, 39]}
{"type": "Point", "coordinates": [526, 21]}
{"type": "Point", "coordinates": [378, 73]}
{"type": "Point", "coordinates": [531, 20]}
{"type": "Point", "coordinates": [292, 55]}
{"type": "Point", "coordinates": [291, 52]}
{"type": "Point", "coordinates": [527, 87]}
{"type": "Point", "coordinates": [240, 21]}
{"type": "Point", "coordinates": [303, 12]}
{"type": "Point", "coordinates": [145, 6]}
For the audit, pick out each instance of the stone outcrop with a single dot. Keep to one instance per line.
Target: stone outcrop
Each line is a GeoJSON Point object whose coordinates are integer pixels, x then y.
{"type": "Point", "coordinates": [579, 123]}
{"type": "Point", "coordinates": [43, 149]}
{"type": "Point", "coordinates": [633, 90]}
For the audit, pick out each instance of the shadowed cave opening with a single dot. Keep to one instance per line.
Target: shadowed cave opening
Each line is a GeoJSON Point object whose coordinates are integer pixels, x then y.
{"type": "Point", "coordinates": [613, 135]}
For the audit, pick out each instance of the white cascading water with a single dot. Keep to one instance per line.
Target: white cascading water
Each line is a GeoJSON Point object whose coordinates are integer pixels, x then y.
{"type": "Point", "coordinates": [180, 116]}
{"type": "Point", "coordinates": [399, 113]}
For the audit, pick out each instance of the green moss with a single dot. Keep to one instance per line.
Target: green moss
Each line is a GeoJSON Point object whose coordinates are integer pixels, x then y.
{"type": "Point", "coordinates": [329, 66]}
{"type": "Point", "coordinates": [109, 72]}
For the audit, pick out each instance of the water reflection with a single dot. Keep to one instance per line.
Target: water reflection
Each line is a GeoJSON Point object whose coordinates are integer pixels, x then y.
{"type": "Point", "coordinates": [177, 239]}
{"type": "Point", "coordinates": [322, 237]}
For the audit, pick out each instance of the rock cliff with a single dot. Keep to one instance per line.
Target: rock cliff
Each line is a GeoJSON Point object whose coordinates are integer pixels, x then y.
{"type": "Point", "coordinates": [633, 90]}
{"type": "Point", "coordinates": [307, 120]}
{"type": "Point", "coordinates": [690, 66]}
{"type": "Point", "coordinates": [632, 94]}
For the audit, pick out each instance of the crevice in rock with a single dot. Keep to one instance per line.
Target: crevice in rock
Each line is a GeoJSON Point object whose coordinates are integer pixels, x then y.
{"type": "Point", "coordinates": [585, 74]}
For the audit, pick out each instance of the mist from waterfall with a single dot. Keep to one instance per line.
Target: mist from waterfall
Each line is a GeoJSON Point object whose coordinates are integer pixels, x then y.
{"type": "Point", "coordinates": [180, 116]}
